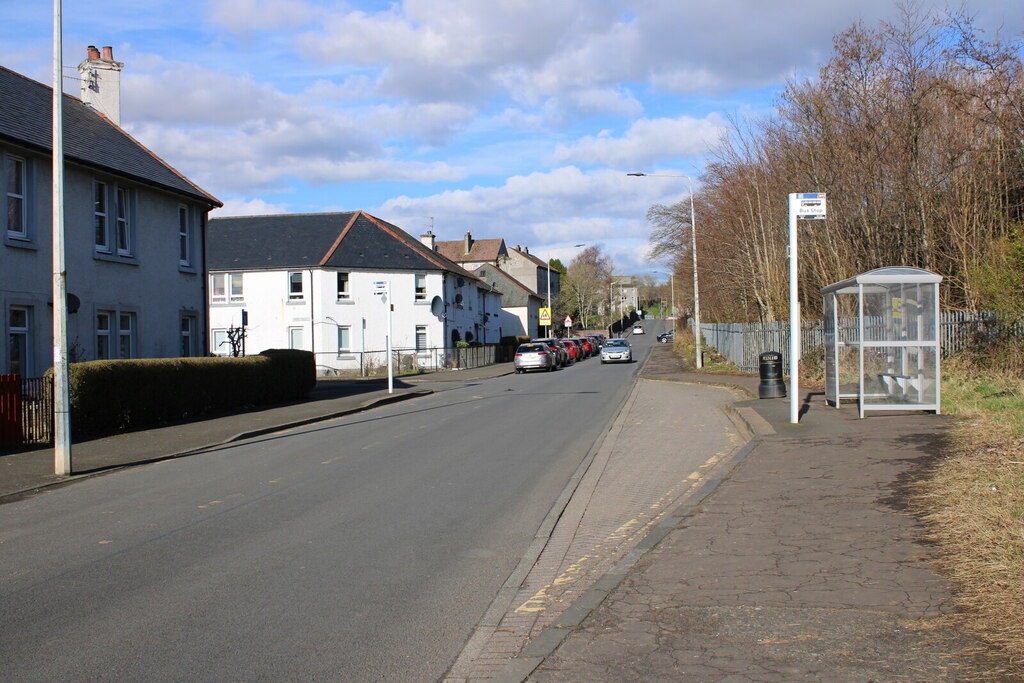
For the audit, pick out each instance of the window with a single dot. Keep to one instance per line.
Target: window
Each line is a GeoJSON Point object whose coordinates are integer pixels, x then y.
{"type": "Point", "coordinates": [295, 337]}
{"type": "Point", "coordinates": [226, 287]}
{"type": "Point", "coordinates": [184, 246]}
{"type": "Point", "coordinates": [188, 336]}
{"type": "Point", "coordinates": [18, 346]}
{"type": "Point", "coordinates": [344, 339]}
{"type": "Point", "coordinates": [99, 212]}
{"type": "Point", "coordinates": [421, 286]}
{"type": "Point", "coordinates": [124, 232]}
{"type": "Point", "coordinates": [15, 186]}
{"type": "Point", "coordinates": [221, 346]}
{"type": "Point", "coordinates": [343, 290]}
{"type": "Point", "coordinates": [421, 337]}
{"type": "Point", "coordinates": [103, 329]}
{"type": "Point", "coordinates": [126, 335]}
{"type": "Point", "coordinates": [295, 286]}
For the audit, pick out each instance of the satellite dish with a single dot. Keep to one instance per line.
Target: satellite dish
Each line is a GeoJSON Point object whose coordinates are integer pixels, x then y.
{"type": "Point", "coordinates": [437, 306]}
{"type": "Point", "coordinates": [458, 298]}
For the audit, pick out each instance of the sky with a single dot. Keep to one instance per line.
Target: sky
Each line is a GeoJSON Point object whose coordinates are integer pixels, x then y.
{"type": "Point", "coordinates": [516, 119]}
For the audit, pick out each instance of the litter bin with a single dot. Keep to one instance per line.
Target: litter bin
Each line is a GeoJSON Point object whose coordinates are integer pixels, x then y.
{"type": "Point", "coordinates": [772, 384]}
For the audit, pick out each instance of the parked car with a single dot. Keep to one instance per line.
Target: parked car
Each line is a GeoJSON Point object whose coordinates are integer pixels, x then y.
{"type": "Point", "coordinates": [638, 329]}
{"type": "Point", "coordinates": [666, 337]}
{"type": "Point", "coordinates": [575, 348]}
{"type": "Point", "coordinates": [561, 354]}
{"type": "Point", "coordinates": [534, 356]}
{"type": "Point", "coordinates": [616, 351]}
{"type": "Point", "coordinates": [597, 340]}
{"type": "Point", "coordinates": [588, 346]}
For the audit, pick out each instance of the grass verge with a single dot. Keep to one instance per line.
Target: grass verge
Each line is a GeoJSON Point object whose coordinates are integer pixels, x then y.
{"type": "Point", "coordinates": [973, 502]}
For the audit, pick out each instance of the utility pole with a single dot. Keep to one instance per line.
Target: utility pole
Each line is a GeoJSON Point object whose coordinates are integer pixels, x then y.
{"type": "Point", "coordinates": [61, 411]}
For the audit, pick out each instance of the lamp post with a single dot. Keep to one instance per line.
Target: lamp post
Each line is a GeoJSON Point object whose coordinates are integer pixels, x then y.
{"type": "Point", "coordinates": [672, 275]}
{"type": "Point", "coordinates": [575, 246]}
{"type": "Point", "coordinates": [698, 362]}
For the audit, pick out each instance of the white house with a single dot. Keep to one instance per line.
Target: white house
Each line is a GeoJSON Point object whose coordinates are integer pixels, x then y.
{"type": "Point", "coordinates": [324, 283]}
{"type": "Point", "coordinates": [134, 231]}
{"type": "Point", "coordinates": [520, 307]}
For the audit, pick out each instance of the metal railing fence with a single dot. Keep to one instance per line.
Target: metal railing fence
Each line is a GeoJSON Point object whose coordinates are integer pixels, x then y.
{"type": "Point", "coordinates": [405, 361]}
{"type": "Point", "coordinates": [741, 343]}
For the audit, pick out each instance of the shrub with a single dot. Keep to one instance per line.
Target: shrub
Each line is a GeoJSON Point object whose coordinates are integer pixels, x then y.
{"type": "Point", "coordinates": [111, 396]}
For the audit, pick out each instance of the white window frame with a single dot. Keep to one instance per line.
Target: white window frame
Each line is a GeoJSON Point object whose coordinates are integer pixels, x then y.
{"type": "Point", "coordinates": [220, 345]}
{"type": "Point", "coordinates": [184, 237]}
{"type": "Point", "coordinates": [420, 286]}
{"type": "Point", "coordinates": [104, 334]}
{"type": "Point", "coordinates": [293, 293]}
{"type": "Point", "coordinates": [13, 194]}
{"type": "Point", "coordinates": [296, 332]}
{"type": "Point", "coordinates": [188, 336]}
{"type": "Point", "coordinates": [25, 333]}
{"type": "Point", "coordinates": [344, 339]}
{"type": "Point", "coordinates": [101, 216]}
{"type": "Point", "coordinates": [421, 330]}
{"type": "Point", "coordinates": [123, 220]}
{"type": "Point", "coordinates": [229, 281]}
{"type": "Point", "coordinates": [126, 332]}
{"type": "Point", "coordinates": [344, 286]}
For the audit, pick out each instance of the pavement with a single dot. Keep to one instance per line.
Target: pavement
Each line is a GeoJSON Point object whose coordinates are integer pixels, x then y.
{"type": "Point", "coordinates": [792, 557]}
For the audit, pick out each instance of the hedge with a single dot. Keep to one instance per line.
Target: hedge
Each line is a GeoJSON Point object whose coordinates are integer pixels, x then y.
{"type": "Point", "coordinates": [111, 396]}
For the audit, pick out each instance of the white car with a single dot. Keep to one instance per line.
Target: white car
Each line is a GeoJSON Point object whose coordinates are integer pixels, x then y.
{"type": "Point", "coordinates": [637, 329]}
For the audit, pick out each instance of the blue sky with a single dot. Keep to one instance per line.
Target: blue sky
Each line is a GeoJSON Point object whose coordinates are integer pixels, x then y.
{"type": "Point", "coordinates": [504, 118]}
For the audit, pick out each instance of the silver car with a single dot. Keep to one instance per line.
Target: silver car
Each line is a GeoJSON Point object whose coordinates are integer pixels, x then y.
{"type": "Point", "coordinates": [616, 351]}
{"type": "Point", "coordinates": [534, 356]}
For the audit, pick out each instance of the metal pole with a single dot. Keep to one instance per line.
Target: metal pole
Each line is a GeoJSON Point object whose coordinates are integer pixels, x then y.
{"type": "Point", "coordinates": [794, 317]}
{"type": "Point", "coordinates": [391, 369]}
{"type": "Point", "coordinates": [699, 362]}
{"type": "Point", "coordinates": [61, 413]}
{"type": "Point", "coordinates": [549, 296]}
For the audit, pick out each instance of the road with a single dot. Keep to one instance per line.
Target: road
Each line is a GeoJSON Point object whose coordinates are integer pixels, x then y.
{"type": "Point", "coordinates": [365, 548]}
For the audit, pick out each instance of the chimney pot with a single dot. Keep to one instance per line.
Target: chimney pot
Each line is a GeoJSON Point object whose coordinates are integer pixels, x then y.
{"type": "Point", "coordinates": [108, 53]}
{"type": "Point", "coordinates": [92, 53]}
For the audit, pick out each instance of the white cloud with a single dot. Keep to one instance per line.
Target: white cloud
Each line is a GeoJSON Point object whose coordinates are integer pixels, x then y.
{"type": "Point", "coordinates": [248, 207]}
{"type": "Point", "coordinates": [247, 16]}
{"type": "Point", "coordinates": [647, 141]}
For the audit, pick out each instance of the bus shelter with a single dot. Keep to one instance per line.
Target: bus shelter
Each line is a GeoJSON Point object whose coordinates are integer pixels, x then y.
{"type": "Point", "coordinates": [881, 334]}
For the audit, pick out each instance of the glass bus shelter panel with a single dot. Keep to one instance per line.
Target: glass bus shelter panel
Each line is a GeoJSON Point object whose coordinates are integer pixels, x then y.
{"type": "Point", "coordinates": [900, 376]}
{"type": "Point", "coordinates": [899, 312]}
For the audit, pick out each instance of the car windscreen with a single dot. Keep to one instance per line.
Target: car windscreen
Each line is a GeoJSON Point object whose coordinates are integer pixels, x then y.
{"type": "Point", "coordinates": [531, 348]}
{"type": "Point", "coordinates": [611, 343]}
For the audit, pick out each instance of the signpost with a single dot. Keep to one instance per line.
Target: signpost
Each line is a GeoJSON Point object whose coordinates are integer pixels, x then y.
{"type": "Point", "coordinates": [382, 288]}
{"type": "Point", "coordinates": [545, 318]}
{"type": "Point", "coordinates": [568, 322]}
{"type": "Point", "coordinates": [806, 206]}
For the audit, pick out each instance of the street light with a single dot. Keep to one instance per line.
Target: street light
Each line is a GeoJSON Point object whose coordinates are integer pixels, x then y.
{"type": "Point", "coordinates": [672, 275]}
{"type": "Point", "coordinates": [698, 362]}
{"type": "Point", "coordinates": [549, 281]}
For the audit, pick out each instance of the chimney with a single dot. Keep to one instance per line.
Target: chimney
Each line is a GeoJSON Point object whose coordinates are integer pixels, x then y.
{"type": "Point", "coordinates": [101, 82]}
{"type": "Point", "coordinates": [427, 239]}
{"type": "Point", "coordinates": [467, 243]}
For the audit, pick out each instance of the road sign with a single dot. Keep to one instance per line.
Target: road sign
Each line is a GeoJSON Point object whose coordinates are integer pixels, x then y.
{"type": "Point", "coordinates": [568, 321]}
{"type": "Point", "coordinates": [545, 316]}
{"type": "Point", "coordinates": [810, 205]}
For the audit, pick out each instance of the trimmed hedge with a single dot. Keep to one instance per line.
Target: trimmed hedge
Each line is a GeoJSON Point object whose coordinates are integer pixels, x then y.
{"type": "Point", "coordinates": [111, 396]}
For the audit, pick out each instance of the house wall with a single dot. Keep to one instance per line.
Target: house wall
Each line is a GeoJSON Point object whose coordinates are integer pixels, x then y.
{"type": "Point", "coordinates": [148, 285]}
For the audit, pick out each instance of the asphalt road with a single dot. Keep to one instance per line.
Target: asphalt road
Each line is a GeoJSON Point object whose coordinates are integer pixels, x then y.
{"type": "Point", "coordinates": [365, 548]}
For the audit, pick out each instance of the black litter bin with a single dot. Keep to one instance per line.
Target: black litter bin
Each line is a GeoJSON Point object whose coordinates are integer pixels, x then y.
{"type": "Point", "coordinates": [772, 384]}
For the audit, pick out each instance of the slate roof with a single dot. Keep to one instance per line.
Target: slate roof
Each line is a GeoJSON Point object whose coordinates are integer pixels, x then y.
{"type": "Point", "coordinates": [479, 250]}
{"type": "Point", "coordinates": [350, 239]}
{"type": "Point", "coordinates": [91, 139]}
{"type": "Point", "coordinates": [517, 294]}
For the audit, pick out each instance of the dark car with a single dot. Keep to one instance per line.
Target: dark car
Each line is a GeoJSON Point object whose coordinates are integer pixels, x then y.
{"type": "Point", "coordinates": [666, 337]}
{"type": "Point", "coordinates": [561, 353]}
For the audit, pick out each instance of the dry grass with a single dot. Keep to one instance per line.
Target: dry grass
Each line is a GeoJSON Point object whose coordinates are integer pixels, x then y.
{"type": "Point", "coordinates": [973, 503]}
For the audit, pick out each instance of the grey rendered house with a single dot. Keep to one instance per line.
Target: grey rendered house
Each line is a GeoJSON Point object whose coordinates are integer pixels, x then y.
{"type": "Point", "coordinates": [520, 306]}
{"type": "Point", "coordinates": [134, 237]}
